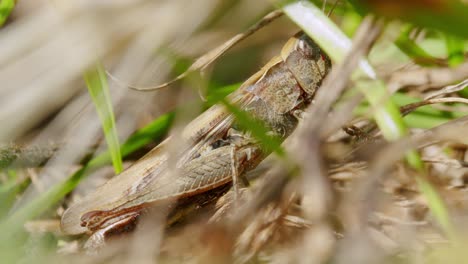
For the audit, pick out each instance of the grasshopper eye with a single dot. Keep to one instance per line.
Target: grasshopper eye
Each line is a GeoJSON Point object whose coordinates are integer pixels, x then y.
{"type": "Point", "coordinates": [301, 45]}
{"type": "Point", "coordinates": [307, 47]}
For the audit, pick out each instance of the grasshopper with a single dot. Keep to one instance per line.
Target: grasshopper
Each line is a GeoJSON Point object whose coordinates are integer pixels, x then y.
{"type": "Point", "coordinates": [216, 151]}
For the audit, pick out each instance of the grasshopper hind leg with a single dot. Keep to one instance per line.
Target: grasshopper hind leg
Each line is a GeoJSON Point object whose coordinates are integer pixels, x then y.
{"type": "Point", "coordinates": [98, 239]}
{"type": "Point", "coordinates": [237, 140]}
{"type": "Point", "coordinates": [235, 173]}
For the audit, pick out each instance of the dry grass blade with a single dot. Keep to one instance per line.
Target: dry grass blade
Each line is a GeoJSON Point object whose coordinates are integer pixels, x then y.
{"type": "Point", "coordinates": [385, 159]}
{"type": "Point", "coordinates": [411, 107]}
{"type": "Point", "coordinates": [428, 77]}
{"type": "Point", "coordinates": [449, 162]}
{"type": "Point", "coordinates": [365, 201]}
{"type": "Point", "coordinates": [448, 89]}
{"type": "Point", "coordinates": [204, 61]}
{"type": "Point", "coordinates": [336, 188]}
{"type": "Point", "coordinates": [316, 188]}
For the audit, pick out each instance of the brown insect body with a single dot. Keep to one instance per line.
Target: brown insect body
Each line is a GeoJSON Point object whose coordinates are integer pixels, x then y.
{"type": "Point", "coordinates": [275, 95]}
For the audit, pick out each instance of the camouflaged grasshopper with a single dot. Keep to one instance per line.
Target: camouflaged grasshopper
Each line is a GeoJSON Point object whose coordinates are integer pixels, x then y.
{"type": "Point", "coordinates": [216, 151]}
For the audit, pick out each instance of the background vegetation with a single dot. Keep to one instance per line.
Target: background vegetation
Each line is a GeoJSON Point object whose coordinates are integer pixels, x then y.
{"type": "Point", "coordinates": [381, 156]}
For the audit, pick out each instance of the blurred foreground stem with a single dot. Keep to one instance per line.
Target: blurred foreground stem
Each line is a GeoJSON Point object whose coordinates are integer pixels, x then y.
{"type": "Point", "coordinates": [386, 113]}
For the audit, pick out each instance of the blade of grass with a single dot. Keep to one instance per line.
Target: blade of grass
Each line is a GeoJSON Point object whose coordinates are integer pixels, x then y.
{"type": "Point", "coordinates": [99, 91]}
{"type": "Point", "coordinates": [245, 121]}
{"type": "Point", "coordinates": [350, 23]}
{"type": "Point", "coordinates": [455, 50]}
{"type": "Point", "coordinates": [413, 50]}
{"type": "Point", "coordinates": [387, 115]}
{"type": "Point", "coordinates": [150, 133]}
{"type": "Point", "coordinates": [6, 6]}
{"type": "Point", "coordinates": [218, 93]}
{"type": "Point", "coordinates": [14, 223]}
{"type": "Point", "coordinates": [10, 190]}
{"type": "Point", "coordinates": [258, 129]}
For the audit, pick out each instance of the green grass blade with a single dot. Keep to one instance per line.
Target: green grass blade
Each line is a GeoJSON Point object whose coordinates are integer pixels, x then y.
{"type": "Point", "coordinates": [413, 50]}
{"type": "Point", "coordinates": [245, 121]}
{"type": "Point", "coordinates": [350, 23]}
{"type": "Point", "coordinates": [257, 128]}
{"type": "Point", "coordinates": [387, 114]}
{"type": "Point", "coordinates": [455, 50]}
{"type": "Point", "coordinates": [6, 6]}
{"type": "Point", "coordinates": [150, 133]}
{"type": "Point", "coordinates": [98, 88]}
{"type": "Point", "coordinates": [10, 190]}
{"type": "Point", "coordinates": [218, 93]}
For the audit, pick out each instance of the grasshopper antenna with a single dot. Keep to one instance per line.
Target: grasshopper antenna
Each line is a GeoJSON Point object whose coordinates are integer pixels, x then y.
{"type": "Point", "coordinates": [138, 88]}
{"type": "Point", "coordinates": [204, 61]}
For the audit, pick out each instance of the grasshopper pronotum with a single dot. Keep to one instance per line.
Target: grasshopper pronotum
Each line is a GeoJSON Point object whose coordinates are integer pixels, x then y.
{"type": "Point", "coordinates": [216, 151]}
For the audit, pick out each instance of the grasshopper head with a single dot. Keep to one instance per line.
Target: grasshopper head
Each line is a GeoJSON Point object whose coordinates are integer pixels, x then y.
{"type": "Point", "coordinates": [307, 62]}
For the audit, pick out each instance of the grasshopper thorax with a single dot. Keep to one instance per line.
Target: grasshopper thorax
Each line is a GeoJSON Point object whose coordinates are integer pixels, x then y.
{"type": "Point", "coordinates": [306, 61]}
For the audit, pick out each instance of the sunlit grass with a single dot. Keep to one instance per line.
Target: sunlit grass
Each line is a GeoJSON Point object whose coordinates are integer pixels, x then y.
{"type": "Point", "coordinates": [96, 81]}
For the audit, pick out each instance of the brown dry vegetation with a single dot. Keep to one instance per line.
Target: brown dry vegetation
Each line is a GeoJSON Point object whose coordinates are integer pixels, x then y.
{"type": "Point", "coordinates": [344, 192]}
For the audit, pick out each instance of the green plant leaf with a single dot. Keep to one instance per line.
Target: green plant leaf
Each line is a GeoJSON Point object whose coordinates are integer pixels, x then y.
{"type": "Point", "coordinates": [448, 16]}
{"type": "Point", "coordinates": [413, 50]}
{"type": "Point", "coordinates": [6, 6]}
{"type": "Point", "coordinates": [455, 50]}
{"type": "Point", "coordinates": [98, 88]}
{"type": "Point", "coordinates": [257, 128]}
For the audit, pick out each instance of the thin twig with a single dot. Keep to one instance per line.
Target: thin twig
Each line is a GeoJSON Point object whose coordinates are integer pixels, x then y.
{"type": "Point", "coordinates": [448, 89]}
{"type": "Point", "coordinates": [411, 107]}
{"type": "Point", "coordinates": [430, 77]}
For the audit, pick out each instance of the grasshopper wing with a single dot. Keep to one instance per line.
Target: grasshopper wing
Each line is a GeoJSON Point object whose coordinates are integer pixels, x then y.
{"type": "Point", "coordinates": [138, 183]}
{"type": "Point", "coordinates": [134, 185]}
{"type": "Point", "coordinates": [112, 193]}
